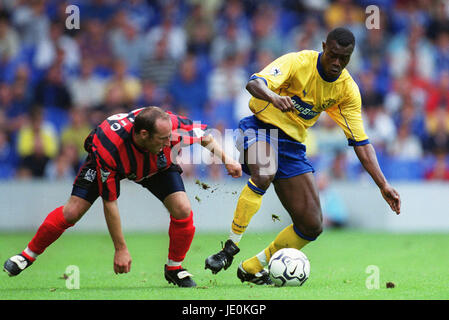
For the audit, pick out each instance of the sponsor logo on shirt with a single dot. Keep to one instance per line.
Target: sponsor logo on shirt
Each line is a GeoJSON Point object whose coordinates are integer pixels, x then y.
{"type": "Point", "coordinates": [304, 109]}
{"type": "Point", "coordinates": [104, 175]}
{"type": "Point", "coordinates": [275, 71]}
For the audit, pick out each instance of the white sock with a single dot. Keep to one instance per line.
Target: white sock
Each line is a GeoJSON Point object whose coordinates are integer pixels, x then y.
{"type": "Point", "coordinates": [171, 263]}
{"type": "Point", "coordinates": [235, 237]}
{"type": "Point", "coordinates": [262, 258]}
{"type": "Point", "coordinates": [30, 253]}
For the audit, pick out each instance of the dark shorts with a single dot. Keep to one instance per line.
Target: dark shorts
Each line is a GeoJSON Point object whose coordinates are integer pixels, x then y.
{"type": "Point", "coordinates": [291, 154]}
{"type": "Point", "coordinates": [161, 184]}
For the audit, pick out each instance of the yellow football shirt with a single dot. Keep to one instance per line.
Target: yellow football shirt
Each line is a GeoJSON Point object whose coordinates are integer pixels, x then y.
{"type": "Point", "coordinates": [300, 76]}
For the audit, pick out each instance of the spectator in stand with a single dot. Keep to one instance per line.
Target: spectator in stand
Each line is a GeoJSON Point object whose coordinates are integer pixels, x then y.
{"type": "Point", "coordinates": [339, 166]}
{"type": "Point", "coordinates": [439, 21]}
{"type": "Point", "coordinates": [189, 88]}
{"type": "Point", "coordinates": [335, 213]}
{"type": "Point", "coordinates": [52, 90]}
{"type": "Point", "coordinates": [442, 51]}
{"type": "Point", "coordinates": [140, 13]}
{"type": "Point", "coordinates": [151, 95]}
{"type": "Point", "coordinates": [378, 124]}
{"type": "Point", "coordinates": [232, 38]}
{"type": "Point", "coordinates": [129, 84]}
{"type": "Point", "coordinates": [438, 127]}
{"type": "Point", "coordinates": [94, 44]}
{"type": "Point", "coordinates": [30, 18]}
{"type": "Point", "coordinates": [99, 9]}
{"type": "Point", "coordinates": [265, 36]}
{"type": "Point", "coordinates": [306, 36]}
{"type": "Point", "coordinates": [127, 44]}
{"type": "Point", "coordinates": [9, 38]}
{"type": "Point", "coordinates": [438, 94]}
{"type": "Point", "coordinates": [374, 45]}
{"type": "Point", "coordinates": [159, 67]}
{"type": "Point", "coordinates": [200, 32]}
{"type": "Point", "coordinates": [21, 102]}
{"type": "Point", "coordinates": [225, 83]}
{"type": "Point", "coordinates": [65, 165]}
{"type": "Point", "coordinates": [379, 127]}
{"type": "Point", "coordinates": [406, 13]}
{"type": "Point", "coordinates": [174, 35]}
{"type": "Point", "coordinates": [440, 169]}
{"type": "Point", "coordinates": [404, 88]}
{"type": "Point", "coordinates": [329, 138]}
{"type": "Point", "coordinates": [412, 55]}
{"type": "Point", "coordinates": [47, 49]}
{"type": "Point", "coordinates": [226, 80]}
{"type": "Point", "coordinates": [343, 12]}
{"type": "Point", "coordinates": [232, 12]}
{"type": "Point", "coordinates": [371, 96]}
{"type": "Point", "coordinates": [8, 156]}
{"type": "Point", "coordinates": [87, 89]}
{"type": "Point", "coordinates": [75, 132]}
{"type": "Point", "coordinates": [5, 96]}
{"type": "Point", "coordinates": [6, 104]}
{"type": "Point", "coordinates": [37, 143]}
{"type": "Point", "coordinates": [406, 146]}
{"type": "Point", "coordinates": [373, 53]}
{"type": "Point", "coordinates": [115, 102]}
{"type": "Point", "coordinates": [411, 116]}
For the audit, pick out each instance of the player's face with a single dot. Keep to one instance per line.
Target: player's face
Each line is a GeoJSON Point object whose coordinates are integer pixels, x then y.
{"type": "Point", "coordinates": [160, 139]}
{"type": "Point", "coordinates": [335, 58]}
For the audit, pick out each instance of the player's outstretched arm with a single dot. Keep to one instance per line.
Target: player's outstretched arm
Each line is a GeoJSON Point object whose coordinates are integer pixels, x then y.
{"type": "Point", "coordinates": [233, 167]}
{"type": "Point", "coordinates": [122, 258]}
{"type": "Point", "coordinates": [367, 156]}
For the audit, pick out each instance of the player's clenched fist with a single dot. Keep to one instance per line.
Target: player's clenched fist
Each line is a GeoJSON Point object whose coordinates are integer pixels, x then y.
{"type": "Point", "coordinates": [234, 169]}
{"type": "Point", "coordinates": [283, 103]}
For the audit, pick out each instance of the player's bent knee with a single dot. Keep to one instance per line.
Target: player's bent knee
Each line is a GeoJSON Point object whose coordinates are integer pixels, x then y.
{"type": "Point", "coordinates": [309, 228]}
{"type": "Point", "coordinates": [182, 211]}
{"type": "Point", "coordinates": [74, 209]}
{"type": "Point", "coordinates": [309, 232]}
{"type": "Point", "coordinates": [315, 230]}
{"type": "Point", "coordinates": [262, 181]}
{"type": "Point", "coordinates": [71, 214]}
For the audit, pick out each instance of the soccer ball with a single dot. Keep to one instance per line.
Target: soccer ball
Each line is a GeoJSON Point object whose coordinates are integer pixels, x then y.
{"type": "Point", "coordinates": [289, 267]}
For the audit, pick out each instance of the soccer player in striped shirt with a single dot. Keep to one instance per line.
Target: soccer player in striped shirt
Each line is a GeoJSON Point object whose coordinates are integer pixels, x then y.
{"type": "Point", "coordinates": [142, 146]}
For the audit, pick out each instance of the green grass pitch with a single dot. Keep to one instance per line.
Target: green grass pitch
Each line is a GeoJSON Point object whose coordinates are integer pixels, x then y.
{"type": "Point", "coordinates": [417, 264]}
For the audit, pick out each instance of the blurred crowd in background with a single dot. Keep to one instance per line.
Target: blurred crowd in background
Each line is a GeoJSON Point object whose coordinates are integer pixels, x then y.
{"type": "Point", "coordinates": [194, 58]}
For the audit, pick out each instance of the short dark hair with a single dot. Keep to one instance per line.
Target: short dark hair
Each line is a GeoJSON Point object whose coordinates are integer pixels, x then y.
{"type": "Point", "coordinates": [344, 37]}
{"type": "Point", "coordinates": [147, 118]}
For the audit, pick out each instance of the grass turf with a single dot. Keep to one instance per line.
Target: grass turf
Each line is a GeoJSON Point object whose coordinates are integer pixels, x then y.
{"type": "Point", "coordinates": [417, 264]}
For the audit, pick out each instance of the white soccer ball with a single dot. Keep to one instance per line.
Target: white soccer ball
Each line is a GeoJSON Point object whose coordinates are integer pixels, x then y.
{"type": "Point", "coordinates": [289, 267]}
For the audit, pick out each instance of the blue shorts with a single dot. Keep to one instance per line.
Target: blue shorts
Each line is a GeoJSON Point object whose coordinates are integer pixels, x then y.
{"type": "Point", "coordinates": [291, 154]}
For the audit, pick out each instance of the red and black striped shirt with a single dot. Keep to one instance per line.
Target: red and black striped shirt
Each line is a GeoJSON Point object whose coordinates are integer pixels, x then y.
{"type": "Point", "coordinates": [118, 157]}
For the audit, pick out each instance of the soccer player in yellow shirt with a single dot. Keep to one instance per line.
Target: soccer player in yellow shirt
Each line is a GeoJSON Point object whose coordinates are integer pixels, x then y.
{"type": "Point", "coordinates": [288, 96]}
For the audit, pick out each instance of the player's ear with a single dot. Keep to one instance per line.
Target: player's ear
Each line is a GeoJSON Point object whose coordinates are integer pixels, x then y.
{"type": "Point", "coordinates": [144, 134]}
{"type": "Point", "coordinates": [324, 46]}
